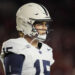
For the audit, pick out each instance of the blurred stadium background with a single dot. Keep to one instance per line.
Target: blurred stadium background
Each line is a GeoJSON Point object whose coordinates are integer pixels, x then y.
{"type": "Point", "coordinates": [61, 39]}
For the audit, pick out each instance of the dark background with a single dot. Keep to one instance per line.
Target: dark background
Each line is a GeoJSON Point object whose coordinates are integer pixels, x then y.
{"type": "Point", "coordinates": [61, 39]}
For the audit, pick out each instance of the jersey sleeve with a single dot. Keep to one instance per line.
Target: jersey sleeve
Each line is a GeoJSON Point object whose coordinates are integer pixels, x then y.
{"type": "Point", "coordinates": [13, 64]}
{"type": "Point", "coordinates": [14, 46]}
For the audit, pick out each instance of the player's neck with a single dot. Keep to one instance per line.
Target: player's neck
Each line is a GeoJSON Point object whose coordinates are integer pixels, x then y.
{"type": "Point", "coordinates": [32, 41]}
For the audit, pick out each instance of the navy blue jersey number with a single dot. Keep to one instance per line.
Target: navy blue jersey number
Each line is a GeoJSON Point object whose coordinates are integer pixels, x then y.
{"type": "Point", "coordinates": [45, 64]}
{"type": "Point", "coordinates": [6, 50]}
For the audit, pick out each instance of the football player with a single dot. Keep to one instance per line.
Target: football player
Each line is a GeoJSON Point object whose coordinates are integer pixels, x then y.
{"type": "Point", "coordinates": [28, 55]}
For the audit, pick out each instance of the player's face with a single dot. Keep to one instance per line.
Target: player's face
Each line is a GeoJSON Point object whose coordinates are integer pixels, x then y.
{"type": "Point", "coordinates": [41, 27]}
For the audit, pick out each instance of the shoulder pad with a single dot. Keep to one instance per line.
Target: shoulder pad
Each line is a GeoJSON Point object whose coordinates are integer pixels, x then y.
{"type": "Point", "coordinates": [46, 47]}
{"type": "Point", "coordinates": [13, 45]}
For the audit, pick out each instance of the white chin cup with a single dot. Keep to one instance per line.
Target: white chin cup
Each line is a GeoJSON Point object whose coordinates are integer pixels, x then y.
{"type": "Point", "coordinates": [42, 37]}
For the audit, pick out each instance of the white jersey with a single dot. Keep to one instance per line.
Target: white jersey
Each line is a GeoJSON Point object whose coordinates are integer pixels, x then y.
{"type": "Point", "coordinates": [37, 61]}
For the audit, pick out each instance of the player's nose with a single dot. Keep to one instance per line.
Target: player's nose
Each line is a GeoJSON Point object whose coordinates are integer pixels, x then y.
{"type": "Point", "coordinates": [44, 26]}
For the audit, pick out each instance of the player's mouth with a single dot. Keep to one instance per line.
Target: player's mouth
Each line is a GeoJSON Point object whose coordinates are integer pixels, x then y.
{"type": "Point", "coordinates": [42, 31]}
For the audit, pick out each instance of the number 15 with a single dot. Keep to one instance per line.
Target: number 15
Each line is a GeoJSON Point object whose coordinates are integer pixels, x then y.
{"type": "Point", "coordinates": [38, 67]}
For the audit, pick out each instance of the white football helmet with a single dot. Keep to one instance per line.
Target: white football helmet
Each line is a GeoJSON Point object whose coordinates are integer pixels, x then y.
{"type": "Point", "coordinates": [27, 15]}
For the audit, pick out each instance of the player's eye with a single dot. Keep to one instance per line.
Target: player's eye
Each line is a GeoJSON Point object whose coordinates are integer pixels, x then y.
{"type": "Point", "coordinates": [41, 23]}
{"type": "Point", "coordinates": [47, 24]}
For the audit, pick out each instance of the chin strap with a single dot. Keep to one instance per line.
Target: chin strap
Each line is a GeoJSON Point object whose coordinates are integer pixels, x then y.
{"type": "Point", "coordinates": [42, 37]}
